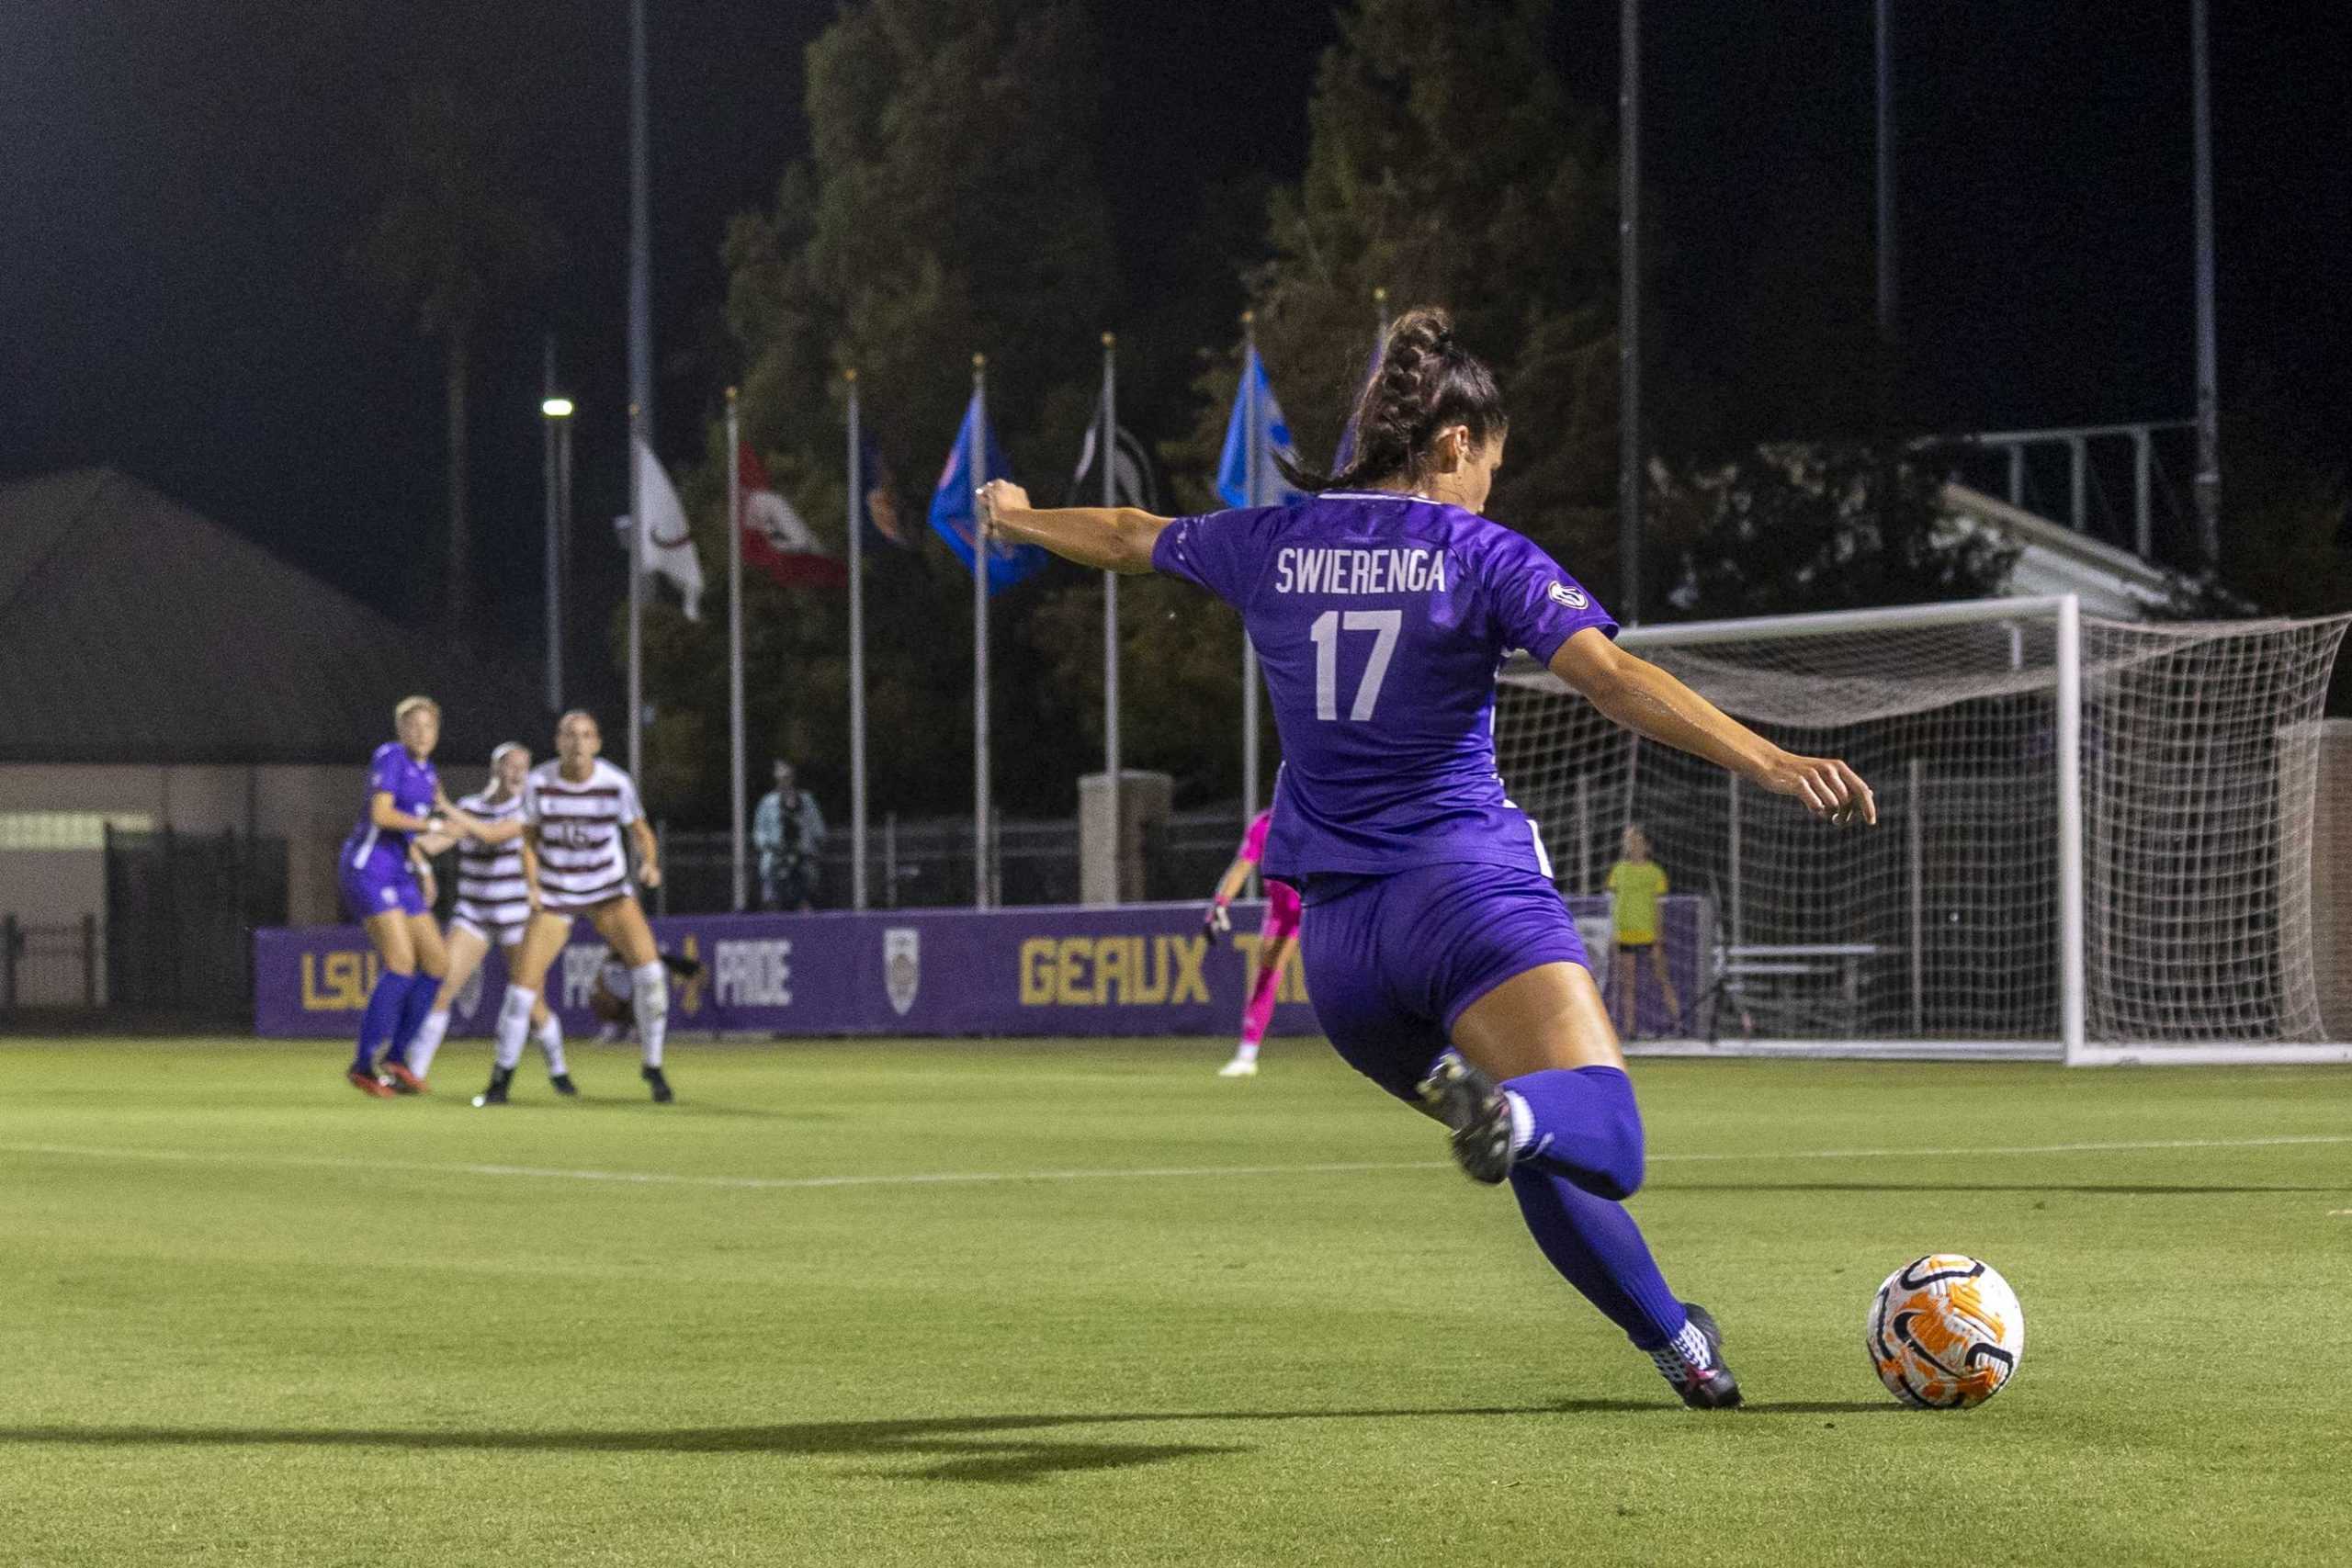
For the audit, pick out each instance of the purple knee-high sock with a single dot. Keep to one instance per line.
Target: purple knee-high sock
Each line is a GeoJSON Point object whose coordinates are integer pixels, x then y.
{"type": "Point", "coordinates": [1585, 1126]}
{"type": "Point", "coordinates": [414, 1005]}
{"type": "Point", "coordinates": [1597, 1247]}
{"type": "Point", "coordinates": [378, 1024]}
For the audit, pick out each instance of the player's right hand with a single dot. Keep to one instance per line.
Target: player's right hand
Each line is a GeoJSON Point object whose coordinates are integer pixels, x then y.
{"type": "Point", "coordinates": [1826, 786]}
{"type": "Point", "coordinates": [1216, 921]}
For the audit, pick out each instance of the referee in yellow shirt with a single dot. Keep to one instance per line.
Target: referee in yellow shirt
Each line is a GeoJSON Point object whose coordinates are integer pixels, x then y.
{"type": "Point", "coordinates": [1635, 884]}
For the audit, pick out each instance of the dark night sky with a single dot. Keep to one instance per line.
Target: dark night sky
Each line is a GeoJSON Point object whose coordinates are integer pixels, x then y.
{"type": "Point", "coordinates": [182, 179]}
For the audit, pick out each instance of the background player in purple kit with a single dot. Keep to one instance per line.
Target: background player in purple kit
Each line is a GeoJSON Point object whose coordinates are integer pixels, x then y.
{"type": "Point", "coordinates": [383, 889]}
{"type": "Point", "coordinates": [1441, 960]}
{"type": "Point", "coordinates": [1276, 932]}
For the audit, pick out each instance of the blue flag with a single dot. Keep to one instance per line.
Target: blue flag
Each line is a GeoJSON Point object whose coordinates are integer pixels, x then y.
{"type": "Point", "coordinates": [1254, 405]}
{"type": "Point", "coordinates": [952, 508]}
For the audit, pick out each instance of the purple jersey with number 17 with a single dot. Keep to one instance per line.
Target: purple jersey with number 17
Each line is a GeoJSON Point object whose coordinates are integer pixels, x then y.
{"type": "Point", "coordinates": [1382, 620]}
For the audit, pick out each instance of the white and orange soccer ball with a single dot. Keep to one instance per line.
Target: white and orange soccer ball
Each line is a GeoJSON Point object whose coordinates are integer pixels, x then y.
{"type": "Point", "coordinates": [1945, 1332]}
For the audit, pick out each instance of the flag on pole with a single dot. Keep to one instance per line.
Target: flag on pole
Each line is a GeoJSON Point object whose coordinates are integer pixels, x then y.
{"type": "Point", "coordinates": [879, 509]}
{"type": "Point", "coordinates": [952, 506]}
{"type": "Point", "coordinates": [1131, 476]}
{"type": "Point", "coordinates": [775, 538]}
{"type": "Point", "coordinates": [669, 546]}
{"type": "Point", "coordinates": [1254, 408]}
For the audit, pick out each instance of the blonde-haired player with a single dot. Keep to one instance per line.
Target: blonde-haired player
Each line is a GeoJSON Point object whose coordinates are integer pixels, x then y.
{"type": "Point", "coordinates": [493, 905]}
{"type": "Point", "coordinates": [575, 812]}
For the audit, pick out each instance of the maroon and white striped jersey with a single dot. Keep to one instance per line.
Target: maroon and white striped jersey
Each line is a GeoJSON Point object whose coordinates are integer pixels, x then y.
{"type": "Point", "coordinates": [582, 861]}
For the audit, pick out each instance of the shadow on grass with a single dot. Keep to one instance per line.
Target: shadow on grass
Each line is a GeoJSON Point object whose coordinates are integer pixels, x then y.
{"type": "Point", "coordinates": [2082, 1189]}
{"type": "Point", "coordinates": [962, 1448]}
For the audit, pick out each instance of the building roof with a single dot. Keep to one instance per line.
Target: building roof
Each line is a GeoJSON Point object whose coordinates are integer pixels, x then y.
{"type": "Point", "coordinates": [134, 630]}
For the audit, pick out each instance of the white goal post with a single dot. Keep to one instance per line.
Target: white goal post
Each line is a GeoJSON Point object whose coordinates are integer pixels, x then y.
{"type": "Point", "coordinates": [2095, 838]}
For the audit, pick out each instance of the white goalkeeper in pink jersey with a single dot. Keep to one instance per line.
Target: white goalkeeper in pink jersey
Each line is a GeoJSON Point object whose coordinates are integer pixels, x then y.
{"type": "Point", "coordinates": [1276, 935]}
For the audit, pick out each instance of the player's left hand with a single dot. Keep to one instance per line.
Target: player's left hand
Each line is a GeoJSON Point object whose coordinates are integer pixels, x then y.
{"type": "Point", "coordinates": [650, 874]}
{"type": "Point", "coordinates": [999, 495]}
{"type": "Point", "coordinates": [1217, 921]}
{"type": "Point", "coordinates": [1828, 787]}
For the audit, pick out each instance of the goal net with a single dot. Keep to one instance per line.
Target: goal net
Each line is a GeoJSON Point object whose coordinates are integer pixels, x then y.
{"type": "Point", "coordinates": [2095, 840]}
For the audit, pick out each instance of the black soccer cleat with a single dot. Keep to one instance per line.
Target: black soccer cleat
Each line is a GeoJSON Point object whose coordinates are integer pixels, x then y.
{"type": "Point", "coordinates": [496, 1093]}
{"type": "Point", "coordinates": [1468, 1102]}
{"type": "Point", "coordinates": [660, 1085]}
{"type": "Point", "coordinates": [1715, 1388]}
{"type": "Point", "coordinates": [562, 1084]}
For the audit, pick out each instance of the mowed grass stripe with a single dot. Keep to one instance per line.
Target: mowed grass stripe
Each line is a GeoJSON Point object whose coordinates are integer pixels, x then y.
{"type": "Point", "coordinates": [1107, 1173]}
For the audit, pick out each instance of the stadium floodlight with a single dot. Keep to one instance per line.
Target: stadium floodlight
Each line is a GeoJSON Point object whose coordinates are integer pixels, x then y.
{"type": "Point", "coordinates": [2096, 837]}
{"type": "Point", "coordinates": [557, 407]}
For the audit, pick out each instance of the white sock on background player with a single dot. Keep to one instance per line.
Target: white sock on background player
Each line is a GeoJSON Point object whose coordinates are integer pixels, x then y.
{"type": "Point", "coordinates": [514, 1025]}
{"type": "Point", "coordinates": [428, 1042]}
{"type": "Point", "coordinates": [550, 1038]}
{"type": "Point", "coordinates": [649, 993]}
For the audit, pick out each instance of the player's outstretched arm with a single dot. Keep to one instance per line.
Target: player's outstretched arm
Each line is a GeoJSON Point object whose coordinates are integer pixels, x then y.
{"type": "Point", "coordinates": [1646, 699]}
{"type": "Point", "coordinates": [1105, 537]}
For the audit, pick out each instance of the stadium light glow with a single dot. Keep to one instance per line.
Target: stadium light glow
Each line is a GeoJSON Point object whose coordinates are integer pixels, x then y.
{"type": "Point", "coordinates": [557, 407]}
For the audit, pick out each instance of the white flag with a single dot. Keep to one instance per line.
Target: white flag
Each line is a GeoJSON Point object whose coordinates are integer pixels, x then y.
{"type": "Point", "coordinates": [668, 543]}
{"type": "Point", "coordinates": [1131, 477]}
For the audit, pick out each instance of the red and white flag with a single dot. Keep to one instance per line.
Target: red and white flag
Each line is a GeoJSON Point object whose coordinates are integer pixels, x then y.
{"type": "Point", "coordinates": [777, 539]}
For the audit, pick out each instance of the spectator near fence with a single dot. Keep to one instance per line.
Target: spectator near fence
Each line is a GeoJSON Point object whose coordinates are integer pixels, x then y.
{"type": "Point", "coordinates": [790, 833]}
{"type": "Point", "coordinates": [1636, 883]}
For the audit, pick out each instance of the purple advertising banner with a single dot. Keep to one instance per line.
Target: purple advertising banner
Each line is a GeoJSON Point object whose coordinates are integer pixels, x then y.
{"type": "Point", "coordinates": [1136, 970]}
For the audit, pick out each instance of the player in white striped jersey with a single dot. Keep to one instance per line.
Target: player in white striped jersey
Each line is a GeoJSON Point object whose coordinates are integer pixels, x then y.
{"type": "Point", "coordinates": [493, 905]}
{"type": "Point", "coordinates": [575, 812]}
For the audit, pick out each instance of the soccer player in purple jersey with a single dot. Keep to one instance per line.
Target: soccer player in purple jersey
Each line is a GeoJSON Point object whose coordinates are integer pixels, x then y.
{"type": "Point", "coordinates": [383, 880]}
{"type": "Point", "coordinates": [1441, 960]}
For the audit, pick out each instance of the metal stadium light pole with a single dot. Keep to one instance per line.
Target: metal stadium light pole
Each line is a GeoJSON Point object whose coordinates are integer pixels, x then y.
{"type": "Point", "coordinates": [640, 379]}
{"type": "Point", "coordinates": [555, 418]}
{"type": "Point", "coordinates": [735, 640]}
{"type": "Point", "coordinates": [857, 651]}
{"type": "Point", "coordinates": [2208, 400]}
{"type": "Point", "coordinates": [1886, 273]}
{"type": "Point", "coordinates": [1629, 314]}
{"type": "Point", "coordinates": [976, 463]}
{"type": "Point", "coordinates": [1109, 449]}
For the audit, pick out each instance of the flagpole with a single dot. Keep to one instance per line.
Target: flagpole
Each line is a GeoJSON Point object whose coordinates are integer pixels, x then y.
{"type": "Point", "coordinates": [735, 637]}
{"type": "Point", "coordinates": [976, 464]}
{"type": "Point", "coordinates": [1254, 417]}
{"type": "Point", "coordinates": [1108, 451]}
{"type": "Point", "coordinates": [856, 653]}
{"type": "Point", "coordinates": [640, 378]}
{"type": "Point", "coordinates": [636, 590]}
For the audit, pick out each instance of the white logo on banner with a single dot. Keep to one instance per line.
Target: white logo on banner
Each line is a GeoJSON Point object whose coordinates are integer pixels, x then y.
{"type": "Point", "coordinates": [901, 966]}
{"type": "Point", "coordinates": [752, 974]}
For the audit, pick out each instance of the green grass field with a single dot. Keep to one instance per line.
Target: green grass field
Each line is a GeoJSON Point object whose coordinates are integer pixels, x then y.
{"type": "Point", "coordinates": [926, 1304]}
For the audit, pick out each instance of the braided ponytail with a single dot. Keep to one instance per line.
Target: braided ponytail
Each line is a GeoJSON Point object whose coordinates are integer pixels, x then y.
{"type": "Point", "coordinates": [1427, 382]}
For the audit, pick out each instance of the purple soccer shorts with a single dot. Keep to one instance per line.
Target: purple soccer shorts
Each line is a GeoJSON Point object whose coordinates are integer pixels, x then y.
{"type": "Point", "coordinates": [380, 883]}
{"type": "Point", "coordinates": [1392, 961]}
